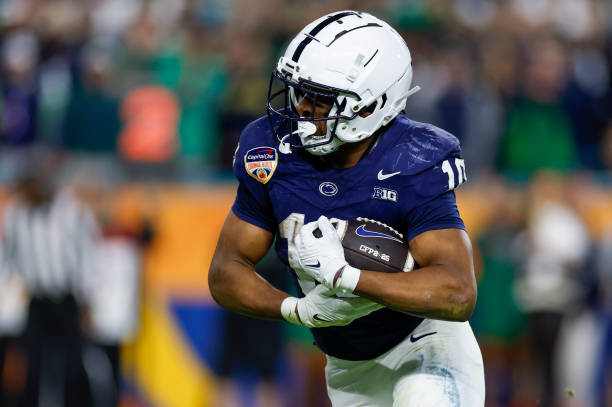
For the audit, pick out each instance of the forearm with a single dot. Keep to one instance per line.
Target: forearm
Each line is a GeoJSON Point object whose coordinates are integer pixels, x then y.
{"type": "Point", "coordinates": [436, 292]}
{"type": "Point", "coordinates": [237, 287]}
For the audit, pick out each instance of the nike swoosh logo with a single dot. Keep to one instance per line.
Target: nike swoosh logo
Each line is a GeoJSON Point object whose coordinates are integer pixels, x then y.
{"type": "Point", "coordinates": [361, 231]}
{"type": "Point", "coordinates": [382, 176]}
{"type": "Point", "coordinates": [318, 318]}
{"type": "Point", "coordinates": [413, 338]}
{"type": "Point", "coordinates": [314, 265]}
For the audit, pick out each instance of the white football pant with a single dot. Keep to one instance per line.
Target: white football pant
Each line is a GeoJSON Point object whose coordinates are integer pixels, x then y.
{"type": "Point", "coordinates": [441, 369]}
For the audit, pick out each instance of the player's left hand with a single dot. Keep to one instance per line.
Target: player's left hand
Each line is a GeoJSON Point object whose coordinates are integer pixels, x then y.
{"type": "Point", "coordinates": [322, 257]}
{"type": "Point", "coordinates": [321, 308]}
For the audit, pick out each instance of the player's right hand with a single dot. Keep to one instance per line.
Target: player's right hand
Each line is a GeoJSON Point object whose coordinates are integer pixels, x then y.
{"type": "Point", "coordinates": [320, 257]}
{"type": "Point", "coordinates": [321, 308]}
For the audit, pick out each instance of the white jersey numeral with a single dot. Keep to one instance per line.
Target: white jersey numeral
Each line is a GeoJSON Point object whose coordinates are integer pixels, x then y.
{"type": "Point", "coordinates": [288, 229]}
{"type": "Point", "coordinates": [447, 168]}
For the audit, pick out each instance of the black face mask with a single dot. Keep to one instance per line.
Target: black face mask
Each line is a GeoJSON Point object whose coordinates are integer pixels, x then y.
{"type": "Point", "coordinates": [283, 94]}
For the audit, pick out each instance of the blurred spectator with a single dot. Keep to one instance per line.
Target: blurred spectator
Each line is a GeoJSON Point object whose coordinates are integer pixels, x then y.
{"type": "Point", "coordinates": [555, 247]}
{"type": "Point", "coordinates": [141, 41]}
{"type": "Point", "coordinates": [499, 324]}
{"type": "Point", "coordinates": [487, 102]}
{"type": "Point", "coordinates": [586, 99]}
{"type": "Point", "coordinates": [93, 102]}
{"type": "Point", "coordinates": [114, 305]}
{"type": "Point", "coordinates": [248, 61]}
{"type": "Point", "coordinates": [196, 72]}
{"type": "Point", "coordinates": [54, 95]}
{"type": "Point", "coordinates": [473, 109]}
{"type": "Point", "coordinates": [19, 87]}
{"type": "Point", "coordinates": [538, 132]}
{"type": "Point", "coordinates": [49, 240]}
{"type": "Point", "coordinates": [452, 104]}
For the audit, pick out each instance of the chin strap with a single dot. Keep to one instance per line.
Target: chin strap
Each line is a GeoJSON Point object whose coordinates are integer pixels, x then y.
{"type": "Point", "coordinates": [412, 91]}
{"type": "Point", "coordinates": [326, 148]}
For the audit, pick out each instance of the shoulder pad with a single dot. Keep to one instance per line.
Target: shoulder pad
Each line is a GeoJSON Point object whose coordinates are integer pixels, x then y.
{"type": "Point", "coordinates": [427, 161]}
{"type": "Point", "coordinates": [420, 146]}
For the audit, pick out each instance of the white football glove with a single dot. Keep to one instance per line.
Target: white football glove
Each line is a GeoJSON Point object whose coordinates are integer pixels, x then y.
{"type": "Point", "coordinates": [322, 258]}
{"type": "Point", "coordinates": [321, 308]}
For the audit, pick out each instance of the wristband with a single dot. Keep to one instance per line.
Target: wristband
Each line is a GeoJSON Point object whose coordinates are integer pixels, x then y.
{"type": "Point", "coordinates": [348, 278]}
{"type": "Point", "coordinates": [288, 310]}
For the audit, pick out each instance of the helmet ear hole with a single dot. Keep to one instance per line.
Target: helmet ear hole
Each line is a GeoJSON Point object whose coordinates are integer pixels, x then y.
{"type": "Point", "coordinates": [292, 99]}
{"type": "Point", "coordinates": [384, 100]}
{"type": "Point", "coordinates": [342, 106]}
{"type": "Point", "coordinates": [368, 110]}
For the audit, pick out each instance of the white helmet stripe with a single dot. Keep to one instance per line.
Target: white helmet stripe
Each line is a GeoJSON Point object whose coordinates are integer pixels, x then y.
{"type": "Point", "coordinates": [341, 33]}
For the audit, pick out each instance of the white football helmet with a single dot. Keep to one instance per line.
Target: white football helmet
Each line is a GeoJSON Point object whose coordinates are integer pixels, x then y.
{"type": "Point", "coordinates": [348, 57]}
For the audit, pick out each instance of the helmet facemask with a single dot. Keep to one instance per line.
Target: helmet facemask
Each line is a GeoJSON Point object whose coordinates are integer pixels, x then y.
{"type": "Point", "coordinates": [284, 95]}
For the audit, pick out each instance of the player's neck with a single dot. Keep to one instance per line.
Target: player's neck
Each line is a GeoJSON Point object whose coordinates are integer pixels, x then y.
{"type": "Point", "coordinates": [349, 154]}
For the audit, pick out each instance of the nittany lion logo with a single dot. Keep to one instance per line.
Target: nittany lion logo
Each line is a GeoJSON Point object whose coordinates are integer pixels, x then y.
{"type": "Point", "coordinates": [260, 163]}
{"type": "Point", "coordinates": [328, 188]}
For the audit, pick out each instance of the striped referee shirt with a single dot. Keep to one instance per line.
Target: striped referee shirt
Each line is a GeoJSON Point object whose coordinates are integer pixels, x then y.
{"type": "Point", "coordinates": [51, 246]}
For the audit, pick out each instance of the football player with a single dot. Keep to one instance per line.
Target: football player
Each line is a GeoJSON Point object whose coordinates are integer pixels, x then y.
{"type": "Point", "coordinates": [334, 145]}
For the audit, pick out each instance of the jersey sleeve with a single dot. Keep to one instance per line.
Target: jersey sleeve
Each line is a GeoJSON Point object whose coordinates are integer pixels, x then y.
{"type": "Point", "coordinates": [252, 203]}
{"type": "Point", "coordinates": [433, 205]}
{"type": "Point", "coordinates": [446, 175]}
{"type": "Point", "coordinates": [439, 213]}
{"type": "Point", "coordinates": [249, 209]}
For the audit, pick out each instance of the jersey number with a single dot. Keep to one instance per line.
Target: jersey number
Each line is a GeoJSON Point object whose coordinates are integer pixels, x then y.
{"type": "Point", "coordinates": [289, 228]}
{"type": "Point", "coordinates": [447, 168]}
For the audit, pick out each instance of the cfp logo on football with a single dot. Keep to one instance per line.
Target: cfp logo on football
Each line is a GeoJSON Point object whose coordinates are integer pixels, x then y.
{"type": "Point", "coordinates": [375, 253]}
{"type": "Point", "coordinates": [385, 194]}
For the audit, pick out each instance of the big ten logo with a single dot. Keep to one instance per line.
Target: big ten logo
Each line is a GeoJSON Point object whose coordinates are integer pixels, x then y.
{"type": "Point", "coordinates": [385, 194]}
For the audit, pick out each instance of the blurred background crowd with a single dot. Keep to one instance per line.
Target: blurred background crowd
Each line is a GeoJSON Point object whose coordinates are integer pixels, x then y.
{"type": "Point", "coordinates": [124, 115]}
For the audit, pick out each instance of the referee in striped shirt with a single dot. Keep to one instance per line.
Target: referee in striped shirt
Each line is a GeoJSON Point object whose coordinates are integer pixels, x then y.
{"type": "Point", "coordinates": [49, 239]}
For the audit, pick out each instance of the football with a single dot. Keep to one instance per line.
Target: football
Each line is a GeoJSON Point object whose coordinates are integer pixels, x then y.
{"type": "Point", "coordinates": [372, 245]}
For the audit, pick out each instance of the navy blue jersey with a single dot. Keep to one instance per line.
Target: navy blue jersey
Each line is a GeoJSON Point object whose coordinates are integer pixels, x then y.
{"type": "Point", "coordinates": [406, 181]}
